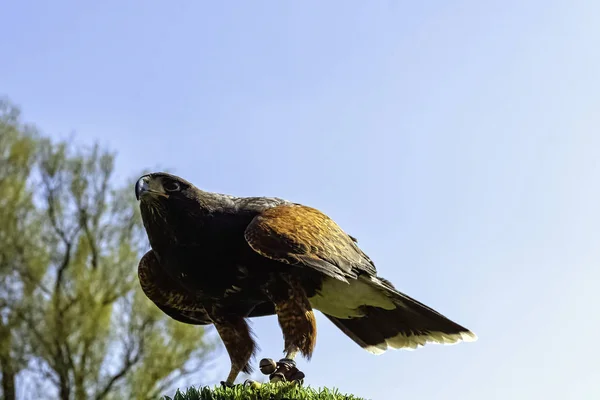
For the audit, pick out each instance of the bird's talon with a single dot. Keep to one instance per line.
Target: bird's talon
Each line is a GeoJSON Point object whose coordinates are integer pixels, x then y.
{"type": "Point", "coordinates": [277, 377]}
{"type": "Point", "coordinates": [252, 383]}
{"type": "Point", "coordinates": [225, 384]}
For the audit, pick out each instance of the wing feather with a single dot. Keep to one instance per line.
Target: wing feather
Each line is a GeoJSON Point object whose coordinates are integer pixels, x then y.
{"type": "Point", "coordinates": [186, 317]}
{"type": "Point", "coordinates": [300, 235]}
{"type": "Point", "coordinates": [167, 295]}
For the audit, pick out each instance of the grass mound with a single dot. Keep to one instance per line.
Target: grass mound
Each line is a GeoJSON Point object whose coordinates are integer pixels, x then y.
{"type": "Point", "coordinates": [268, 391]}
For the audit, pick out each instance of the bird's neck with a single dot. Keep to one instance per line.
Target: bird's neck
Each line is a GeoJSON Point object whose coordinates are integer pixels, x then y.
{"type": "Point", "coordinates": [197, 227]}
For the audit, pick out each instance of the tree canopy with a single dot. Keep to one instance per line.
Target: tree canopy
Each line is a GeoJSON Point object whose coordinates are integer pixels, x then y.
{"type": "Point", "coordinates": [73, 319]}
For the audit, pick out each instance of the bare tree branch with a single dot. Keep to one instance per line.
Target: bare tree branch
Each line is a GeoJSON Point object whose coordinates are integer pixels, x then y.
{"type": "Point", "coordinates": [129, 362]}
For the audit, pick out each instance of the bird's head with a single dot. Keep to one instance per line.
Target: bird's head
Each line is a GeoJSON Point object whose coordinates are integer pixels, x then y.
{"type": "Point", "coordinates": [161, 186]}
{"type": "Point", "coordinates": [166, 203]}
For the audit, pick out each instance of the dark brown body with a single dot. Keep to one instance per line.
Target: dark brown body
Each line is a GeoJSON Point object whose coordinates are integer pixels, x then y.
{"type": "Point", "coordinates": [221, 259]}
{"type": "Point", "coordinates": [208, 257]}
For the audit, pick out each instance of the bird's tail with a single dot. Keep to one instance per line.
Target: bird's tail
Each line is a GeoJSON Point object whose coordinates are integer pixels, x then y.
{"type": "Point", "coordinates": [408, 325]}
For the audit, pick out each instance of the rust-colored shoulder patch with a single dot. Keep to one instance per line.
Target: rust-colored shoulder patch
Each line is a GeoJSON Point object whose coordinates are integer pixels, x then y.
{"type": "Point", "coordinates": [301, 235]}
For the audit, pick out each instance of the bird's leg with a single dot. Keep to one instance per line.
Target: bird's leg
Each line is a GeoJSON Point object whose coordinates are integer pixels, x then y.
{"type": "Point", "coordinates": [237, 338]}
{"type": "Point", "coordinates": [298, 325]}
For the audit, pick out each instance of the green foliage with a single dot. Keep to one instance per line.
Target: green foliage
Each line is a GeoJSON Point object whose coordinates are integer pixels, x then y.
{"type": "Point", "coordinates": [22, 262]}
{"type": "Point", "coordinates": [71, 308]}
{"type": "Point", "coordinates": [279, 391]}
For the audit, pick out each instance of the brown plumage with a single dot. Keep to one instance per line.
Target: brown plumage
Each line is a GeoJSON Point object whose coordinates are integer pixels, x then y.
{"type": "Point", "coordinates": [296, 319]}
{"type": "Point", "coordinates": [301, 235]}
{"type": "Point", "coordinates": [219, 259]}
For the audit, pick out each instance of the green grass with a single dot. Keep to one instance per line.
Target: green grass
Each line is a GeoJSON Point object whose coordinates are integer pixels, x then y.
{"type": "Point", "coordinates": [268, 391]}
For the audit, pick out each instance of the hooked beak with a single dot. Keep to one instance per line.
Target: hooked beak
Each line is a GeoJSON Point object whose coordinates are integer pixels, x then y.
{"type": "Point", "coordinates": [145, 185]}
{"type": "Point", "coordinates": [141, 187]}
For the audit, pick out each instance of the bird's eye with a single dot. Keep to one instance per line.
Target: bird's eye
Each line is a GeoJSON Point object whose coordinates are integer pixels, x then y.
{"type": "Point", "coordinates": [171, 186]}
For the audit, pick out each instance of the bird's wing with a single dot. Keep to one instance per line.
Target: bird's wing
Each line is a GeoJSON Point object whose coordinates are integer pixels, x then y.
{"type": "Point", "coordinates": [304, 236]}
{"type": "Point", "coordinates": [185, 316]}
{"type": "Point", "coordinates": [167, 295]}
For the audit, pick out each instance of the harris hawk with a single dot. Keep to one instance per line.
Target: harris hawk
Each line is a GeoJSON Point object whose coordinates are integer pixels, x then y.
{"type": "Point", "coordinates": [220, 259]}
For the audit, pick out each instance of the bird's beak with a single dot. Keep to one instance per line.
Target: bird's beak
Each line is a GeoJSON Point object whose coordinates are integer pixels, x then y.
{"type": "Point", "coordinates": [141, 187]}
{"type": "Point", "coordinates": [146, 185]}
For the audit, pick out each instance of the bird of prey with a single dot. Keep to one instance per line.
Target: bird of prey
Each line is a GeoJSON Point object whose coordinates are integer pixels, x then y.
{"type": "Point", "coordinates": [220, 259]}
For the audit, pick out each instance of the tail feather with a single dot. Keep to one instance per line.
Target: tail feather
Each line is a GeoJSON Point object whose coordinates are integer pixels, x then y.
{"type": "Point", "coordinates": [409, 325]}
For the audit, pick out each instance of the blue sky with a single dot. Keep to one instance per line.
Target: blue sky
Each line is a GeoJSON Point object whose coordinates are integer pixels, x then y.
{"type": "Point", "coordinates": [457, 140]}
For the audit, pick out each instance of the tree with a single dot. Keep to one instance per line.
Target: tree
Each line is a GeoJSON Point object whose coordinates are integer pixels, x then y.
{"type": "Point", "coordinates": [22, 260]}
{"type": "Point", "coordinates": [70, 279]}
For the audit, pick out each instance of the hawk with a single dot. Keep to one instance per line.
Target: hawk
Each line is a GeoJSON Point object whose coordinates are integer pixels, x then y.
{"type": "Point", "coordinates": [220, 259]}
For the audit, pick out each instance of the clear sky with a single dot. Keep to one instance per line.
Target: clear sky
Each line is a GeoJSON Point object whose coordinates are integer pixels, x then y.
{"type": "Point", "coordinates": [458, 141]}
